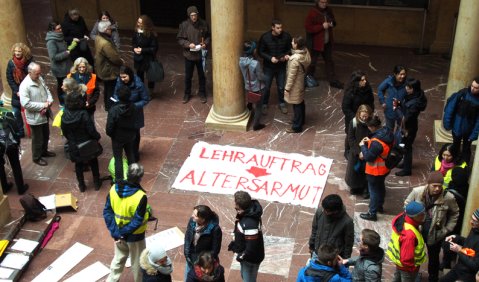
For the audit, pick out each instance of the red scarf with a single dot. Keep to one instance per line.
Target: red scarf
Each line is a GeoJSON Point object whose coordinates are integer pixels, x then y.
{"type": "Point", "coordinates": [19, 73]}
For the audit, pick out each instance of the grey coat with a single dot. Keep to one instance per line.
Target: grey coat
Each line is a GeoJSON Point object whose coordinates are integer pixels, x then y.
{"type": "Point", "coordinates": [367, 268]}
{"type": "Point", "coordinates": [57, 52]}
{"type": "Point", "coordinates": [33, 96]}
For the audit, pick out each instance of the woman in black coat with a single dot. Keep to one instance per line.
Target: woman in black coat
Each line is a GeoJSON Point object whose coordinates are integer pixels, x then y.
{"type": "Point", "coordinates": [203, 233]}
{"type": "Point", "coordinates": [145, 46]}
{"type": "Point", "coordinates": [78, 127]}
{"type": "Point", "coordinates": [74, 29]}
{"type": "Point", "coordinates": [357, 130]}
{"type": "Point", "coordinates": [358, 92]}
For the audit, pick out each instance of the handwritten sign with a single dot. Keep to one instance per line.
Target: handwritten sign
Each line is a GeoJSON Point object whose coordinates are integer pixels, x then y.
{"type": "Point", "coordinates": [267, 175]}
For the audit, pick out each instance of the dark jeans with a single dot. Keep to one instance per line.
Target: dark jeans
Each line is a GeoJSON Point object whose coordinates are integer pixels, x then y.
{"type": "Point", "coordinates": [60, 93]}
{"type": "Point", "coordinates": [14, 160]}
{"type": "Point", "coordinates": [280, 74]}
{"type": "Point", "coordinates": [408, 142]}
{"type": "Point", "coordinates": [117, 148]}
{"type": "Point", "coordinates": [136, 146]}
{"type": "Point", "coordinates": [40, 137]}
{"type": "Point", "coordinates": [299, 116]}
{"type": "Point", "coordinates": [433, 261]}
{"type": "Point", "coordinates": [327, 55]}
{"type": "Point", "coordinates": [377, 192]}
{"type": "Point", "coordinates": [391, 123]}
{"type": "Point", "coordinates": [466, 146]}
{"type": "Point", "coordinates": [141, 75]}
{"type": "Point", "coordinates": [256, 112]}
{"type": "Point", "coordinates": [17, 113]}
{"type": "Point", "coordinates": [189, 68]}
{"type": "Point", "coordinates": [94, 170]}
{"type": "Point", "coordinates": [108, 90]}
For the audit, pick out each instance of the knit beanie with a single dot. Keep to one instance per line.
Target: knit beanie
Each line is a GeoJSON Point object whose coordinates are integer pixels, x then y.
{"type": "Point", "coordinates": [156, 252]}
{"type": "Point", "coordinates": [435, 177]}
{"type": "Point", "coordinates": [414, 209]}
{"type": "Point", "coordinates": [476, 213]}
{"type": "Point", "coordinates": [191, 10]}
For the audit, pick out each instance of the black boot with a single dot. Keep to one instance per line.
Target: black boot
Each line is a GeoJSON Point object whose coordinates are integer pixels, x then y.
{"type": "Point", "coordinates": [97, 182]}
{"type": "Point", "coordinates": [82, 186]}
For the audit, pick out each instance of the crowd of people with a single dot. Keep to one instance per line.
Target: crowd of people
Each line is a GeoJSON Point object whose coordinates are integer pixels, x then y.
{"type": "Point", "coordinates": [433, 213]}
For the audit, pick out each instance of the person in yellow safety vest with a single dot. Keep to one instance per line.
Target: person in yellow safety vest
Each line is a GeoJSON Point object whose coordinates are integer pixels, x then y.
{"type": "Point", "coordinates": [126, 215]}
{"type": "Point", "coordinates": [446, 160]}
{"type": "Point", "coordinates": [406, 249]}
{"type": "Point", "coordinates": [374, 150]}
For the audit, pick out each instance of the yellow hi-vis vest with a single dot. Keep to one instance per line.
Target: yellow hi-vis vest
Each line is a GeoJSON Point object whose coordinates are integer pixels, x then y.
{"type": "Point", "coordinates": [125, 208]}
{"type": "Point", "coordinates": [448, 176]}
{"type": "Point", "coordinates": [394, 249]}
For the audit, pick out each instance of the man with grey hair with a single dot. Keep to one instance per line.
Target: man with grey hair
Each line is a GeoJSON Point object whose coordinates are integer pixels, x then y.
{"type": "Point", "coordinates": [37, 100]}
{"type": "Point", "coordinates": [107, 61]}
{"type": "Point", "coordinates": [126, 214]}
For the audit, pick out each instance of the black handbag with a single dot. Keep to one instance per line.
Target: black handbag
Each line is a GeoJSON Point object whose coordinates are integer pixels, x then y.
{"type": "Point", "coordinates": [155, 71]}
{"type": "Point", "coordinates": [89, 149]}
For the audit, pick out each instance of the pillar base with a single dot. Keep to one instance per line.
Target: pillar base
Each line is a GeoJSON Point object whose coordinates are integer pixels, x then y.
{"type": "Point", "coordinates": [234, 123]}
{"type": "Point", "coordinates": [4, 210]}
{"type": "Point", "coordinates": [441, 135]}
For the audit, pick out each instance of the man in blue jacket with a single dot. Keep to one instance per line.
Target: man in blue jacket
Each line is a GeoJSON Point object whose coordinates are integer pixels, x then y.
{"type": "Point", "coordinates": [327, 267]}
{"type": "Point", "coordinates": [126, 215]}
{"type": "Point", "coordinates": [461, 115]}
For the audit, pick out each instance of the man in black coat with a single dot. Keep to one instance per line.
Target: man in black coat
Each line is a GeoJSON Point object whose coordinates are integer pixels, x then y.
{"type": "Point", "coordinates": [248, 241]}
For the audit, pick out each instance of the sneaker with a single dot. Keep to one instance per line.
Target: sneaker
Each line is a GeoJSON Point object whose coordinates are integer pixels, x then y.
{"type": "Point", "coordinates": [336, 84]}
{"type": "Point", "coordinates": [283, 108]}
{"type": "Point", "coordinates": [264, 109]}
{"type": "Point", "coordinates": [368, 216]}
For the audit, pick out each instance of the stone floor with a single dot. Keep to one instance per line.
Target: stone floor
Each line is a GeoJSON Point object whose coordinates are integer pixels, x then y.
{"type": "Point", "coordinates": [172, 128]}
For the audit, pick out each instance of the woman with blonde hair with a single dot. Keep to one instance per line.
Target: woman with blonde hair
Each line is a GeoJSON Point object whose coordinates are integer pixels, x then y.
{"type": "Point", "coordinates": [82, 73]}
{"type": "Point", "coordinates": [16, 72]}
{"type": "Point", "coordinates": [145, 46]}
{"type": "Point", "coordinates": [357, 130]}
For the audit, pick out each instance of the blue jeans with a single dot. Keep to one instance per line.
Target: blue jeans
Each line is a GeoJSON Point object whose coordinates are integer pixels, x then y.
{"type": "Point", "coordinates": [249, 271]}
{"type": "Point", "coordinates": [280, 74]}
{"type": "Point", "coordinates": [377, 192]}
{"type": "Point", "coordinates": [17, 113]}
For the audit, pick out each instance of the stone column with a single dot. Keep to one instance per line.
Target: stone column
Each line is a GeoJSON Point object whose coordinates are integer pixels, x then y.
{"type": "Point", "coordinates": [227, 28]}
{"type": "Point", "coordinates": [465, 58]}
{"type": "Point", "coordinates": [13, 30]}
{"type": "Point", "coordinates": [11, 19]}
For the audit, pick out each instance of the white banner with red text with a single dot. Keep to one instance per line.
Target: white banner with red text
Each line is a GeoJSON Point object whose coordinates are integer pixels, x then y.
{"type": "Point", "coordinates": [269, 175]}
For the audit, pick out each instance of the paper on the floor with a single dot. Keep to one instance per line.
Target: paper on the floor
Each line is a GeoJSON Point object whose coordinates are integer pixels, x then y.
{"type": "Point", "coordinates": [48, 201]}
{"type": "Point", "coordinates": [169, 238]}
{"type": "Point", "coordinates": [5, 272]}
{"type": "Point", "coordinates": [16, 261]}
{"type": "Point", "coordinates": [25, 245]}
{"type": "Point", "coordinates": [64, 263]}
{"type": "Point", "coordinates": [92, 273]}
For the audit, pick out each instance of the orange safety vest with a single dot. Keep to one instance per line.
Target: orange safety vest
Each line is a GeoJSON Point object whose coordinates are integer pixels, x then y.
{"type": "Point", "coordinates": [378, 166]}
{"type": "Point", "coordinates": [90, 86]}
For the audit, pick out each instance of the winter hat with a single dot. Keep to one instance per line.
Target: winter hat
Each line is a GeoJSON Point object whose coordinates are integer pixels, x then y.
{"type": "Point", "coordinates": [156, 252]}
{"type": "Point", "coordinates": [414, 209]}
{"type": "Point", "coordinates": [435, 177]}
{"type": "Point", "coordinates": [476, 213]}
{"type": "Point", "coordinates": [191, 10]}
{"type": "Point", "coordinates": [249, 47]}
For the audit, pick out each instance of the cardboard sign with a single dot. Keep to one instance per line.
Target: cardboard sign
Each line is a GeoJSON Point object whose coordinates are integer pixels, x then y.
{"type": "Point", "coordinates": [267, 175]}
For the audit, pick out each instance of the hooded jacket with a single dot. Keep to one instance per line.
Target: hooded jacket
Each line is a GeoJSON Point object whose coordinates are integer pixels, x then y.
{"type": "Point", "coordinates": [393, 92]}
{"type": "Point", "coordinates": [190, 32]}
{"type": "Point", "coordinates": [77, 127]}
{"type": "Point", "coordinates": [445, 213]}
{"type": "Point", "coordinates": [57, 52]}
{"type": "Point", "coordinates": [248, 235]}
{"type": "Point", "coordinates": [139, 97]}
{"type": "Point", "coordinates": [120, 123]}
{"type": "Point", "coordinates": [461, 114]}
{"type": "Point", "coordinates": [196, 275]}
{"type": "Point", "coordinates": [375, 149]}
{"type": "Point", "coordinates": [337, 230]}
{"type": "Point", "coordinates": [256, 76]}
{"type": "Point", "coordinates": [125, 189]}
{"type": "Point", "coordinates": [316, 272]}
{"type": "Point", "coordinates": [295, 71]}
{"type": "Point", "coordinates": [368, 267]}
{"type": "Point", "coordinates": [151, 273]}
{"type": "Point", "coordinates": [210, 240]}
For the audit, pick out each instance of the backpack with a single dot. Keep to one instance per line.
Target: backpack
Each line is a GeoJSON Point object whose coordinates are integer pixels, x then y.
{"type": "Point", "coordinates": [396, 151]}
{"type": "Point", "coordinates": [7, 137]}
{"type": "Point", "coordinates": [34, 209]}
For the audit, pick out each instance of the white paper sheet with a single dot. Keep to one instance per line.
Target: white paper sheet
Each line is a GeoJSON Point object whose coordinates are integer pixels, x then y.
{"type": "Point", "coordinates": [169, 238]}
{"type": "Point", "coordinates": [16, 261]}
{"type": "Point", "coordinates": [48, 201]}
{"type": "Point", "coordinates": [25, 245]}
{"type": "Point", "coordinates": [64, 263]}
{"type": "Point", "coordinates": [5, 272]}
{"type": "Point", "coordinates": [92, 273]}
